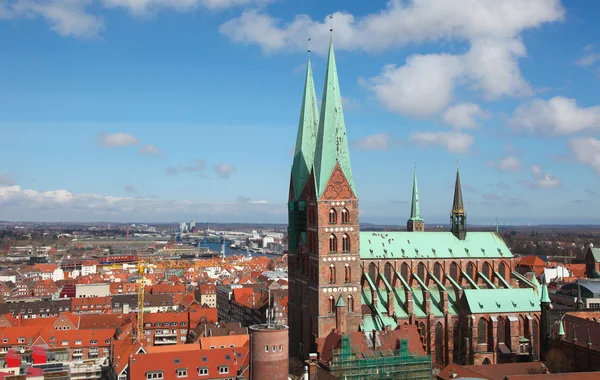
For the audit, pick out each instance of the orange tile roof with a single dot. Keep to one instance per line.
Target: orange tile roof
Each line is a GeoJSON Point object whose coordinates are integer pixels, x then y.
{"type": "Point", "coordinates": [226, 341]}
{"type": "Point", "coordinates": [531, 261]}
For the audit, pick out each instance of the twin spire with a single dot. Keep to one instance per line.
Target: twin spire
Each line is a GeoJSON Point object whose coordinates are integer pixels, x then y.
{"type": "Point", "coordinates": [321, 143]}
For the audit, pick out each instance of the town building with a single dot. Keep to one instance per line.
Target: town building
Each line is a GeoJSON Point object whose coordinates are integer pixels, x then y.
{"type": "Point", "coordinates": [459, 288]}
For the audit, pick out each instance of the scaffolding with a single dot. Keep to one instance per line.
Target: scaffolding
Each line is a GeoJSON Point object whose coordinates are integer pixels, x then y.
{"type": "Point", "coordinates": [350, 363]}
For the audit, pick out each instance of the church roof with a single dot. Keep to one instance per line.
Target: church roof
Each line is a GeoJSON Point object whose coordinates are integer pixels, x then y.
{"type": "Point", "coordinates": [332, 143]}
{"type": "Point", "coordinates": [306, 140]}
{"type": "Point", "coordinates": [595, 254]}
{"type": "Point", "coordinates": [415, 212]}
{"type": "Point", "coordinates": [503, 300]}
{"type": "Point", "coordinates": [432, 245]}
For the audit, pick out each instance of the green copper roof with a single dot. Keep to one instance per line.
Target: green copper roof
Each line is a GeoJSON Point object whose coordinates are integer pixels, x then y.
{"type": "Point", "coordinates": [545, 298]}
{"type": "Point", "coordinates": [415, 212]}
{"type": "Point", "coordinates": [457, 205]}
{"type": "Point", "coordinates": [482, 301]}
{"type": "Point", "coordinates": [561, 329]}
{"type": "Point", "coordinates": [307, 135]}
{"type": "Point", "coordinates": [438, 244]}
{"type": "Point", "coordinates": [340, 302]}
{"type": "Point", "coordinates": [332, 143]}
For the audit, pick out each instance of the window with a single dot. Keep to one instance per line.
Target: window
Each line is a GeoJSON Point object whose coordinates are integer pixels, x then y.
{"type": "Point", "coordinates": [422, 331]}
{"type": "Point", "coordinates": [332, 216]}
{"type": "Point", "coordinates": [107, 341]}
{"type": "Point", "coordinates": [332, 274]}
{"type": "Point", "coordinates": [372, 271]}
{"type": "Point", "coordinates": [183, 324]}
{"type": "Point", "coordinates": [501, 333]}
{"type": "Point", "coordinates": [405, 272]}
{"type": "Point", "coordinates": [266, 348]}
{"type": "Point", "coordinates": [331, 307]}
{"type": "Point", "coordinates": [224, 369]}
{"type": "Point", "coordinates": [176, 360]}
{"type": "Point", "coordinates": [421, 271]}
{"type": "Point", "coordinates": [471, 271]}
{"type": "Point", "coordinates": [348, 274]}
{"type": "Point", "coordinates": [182, 373]}
{"type": "Point", "coordinates": [274, 348]}
{"type": "Point", "coordinates": [482, 331]}
{"type": "Point", "coordinates": [280, 347]}
{"type": "Point", "coordinates": [345, 216]}
{"type": "Point", "coordinates": [93, 342]}
{"type": "Point", "coordinates": [202, 371]}
{"type": "Point", "coordinates": [65, 342]}
{"type": "Point", "coordinates": [21, 340]}
{"type": "Point", "coordinates": [387, 272]}
{"type": "Point", "coordinates": [454, 271]}
{"type": "Point", "coordinates": [487, 270]}
{"type": "Point", "coordinates": [346, 243]}
{"type": "Point", "coordinates": [437, 271]}
{"type": "Point", "coordinates": [154, 375]}
{"type": "Point", "coordinates": [332, 243]}
{"type": "Point", "coordinates": [502, 270]}
{"type": "Point", "coordinates": [439, 343]}
{"type": "Point", "coordinates": [78, 342]}
{"type": "Point", "coordinates": [350, 304]}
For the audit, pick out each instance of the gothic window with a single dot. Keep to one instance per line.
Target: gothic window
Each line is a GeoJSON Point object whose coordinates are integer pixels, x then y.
{"type": "Point", "coordinates": [350, 304]}
{"type": "Point", "coordinates": [501, 330]}
{"type": "Point", "coordinates": [482, 331]}
{"type": "Point", "coordinates": [487, 270]}
{"type": "Point", "coordinates": [332, 243]}
{"type": "Point", "coordinates": [331, 304]}
{"type": "Point", "coordinates": [348, 276]}
{"type": "Point", "coordinates": [421, 271]}
{"type": "Point", "coordinates": [387, 272]}
{"type": "Point", "coordinates": [345, 216]}
{"type": "Point", "coordinates": [332, 216]}
{"type": "Point", "coordinates": [439, 343]}
{"type": "Point", "coordinates": [502, 270]}
{"type": "Point", "coordinates": [372, 271]}
{"type": "Point", "coordinates": [437, 271]}
{"type": "Point", "coordinates": [332, 274]}
{"type": "Point", "coordinates": [346, 243]}
{"type": "Point", "coordinates": [454, 271]}
{"type": "Point", "coordinates": [535, 331]}
{"type": "Point", "coordinates": [404, 271]}
{"type": "Point", "coordinates": [422, 331]}
{"type": "Point", "coordinates": [471, 271]}
{"type": "Point", "coordinates": [507, 333]}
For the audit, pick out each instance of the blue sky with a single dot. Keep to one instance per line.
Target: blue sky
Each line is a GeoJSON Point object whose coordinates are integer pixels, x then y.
{"type": "Point", "coordinates": [160, 110]}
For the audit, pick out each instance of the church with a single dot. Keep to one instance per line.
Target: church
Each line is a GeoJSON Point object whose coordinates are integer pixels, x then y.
{"type": "Point", "coordinates": [458, 288]}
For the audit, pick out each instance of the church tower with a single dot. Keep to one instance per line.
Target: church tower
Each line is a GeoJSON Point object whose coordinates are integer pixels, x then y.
{"type": "Point", "coordinates": [415, 223]}
{"type": "Point", "coordinates": [458, 218]}
{"type": "Point", "coordinates": [301, 185]}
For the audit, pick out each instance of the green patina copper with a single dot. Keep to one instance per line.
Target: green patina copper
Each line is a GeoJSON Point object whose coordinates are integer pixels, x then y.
{"type": "Point", "coordinates": [482, 301]}
{"type": "Point", "coordinates": [415, 212]}
{"type": "Point", "coordinates": [340, 302]}
{"type": "Point", "coordinates": [561, 329]}
{"type": "Point", "coordinates": [545, 297]}
{"type": "Point", "coordinates": [332, 143]}
{"type": "Point", "coordinates": [307, 135]}
{"type": "Point", "coordinates": [432, 245]}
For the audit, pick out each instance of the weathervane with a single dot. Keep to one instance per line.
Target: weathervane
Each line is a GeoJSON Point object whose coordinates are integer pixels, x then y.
{"type": "Point", "coordinates": [309, 46]}
{"type": "Point", "coordinates": [331, 24]}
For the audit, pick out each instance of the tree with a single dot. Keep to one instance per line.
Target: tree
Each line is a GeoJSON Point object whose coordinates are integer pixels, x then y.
{"type": "Point", "coordinates": [557, 362]}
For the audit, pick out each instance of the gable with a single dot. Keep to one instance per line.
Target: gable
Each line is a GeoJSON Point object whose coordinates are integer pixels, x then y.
{"type": "Point", "coordinates": [338, 186]}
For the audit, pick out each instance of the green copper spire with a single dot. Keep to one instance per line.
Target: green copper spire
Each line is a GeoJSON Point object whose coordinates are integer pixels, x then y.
{"type": "Point", "coordinates": [340, 302]}
{"type": "Point", "coordinates": [457, 206]}
{"type": "Point", "coordinates": [545, 298]}
{"type": "Point", "coordinates": [307, 135]}
{"type": "Point", "coordinates": [332, 143]}
{"type": "Point", "coordinates": [415, 212]}
{"type": "Point", "coordinates": [561, 329]}
{"type": "Point", "coordinates": [458, 218]}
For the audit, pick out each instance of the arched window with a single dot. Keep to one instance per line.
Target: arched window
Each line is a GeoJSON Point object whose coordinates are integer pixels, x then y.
{"type": "Point", "coordinates": [471, 271]}
{"type": "Point", "coordinates": [350, 304]}
{"type": "Point", "coordinates": [502, 270]}
{"type": "Point", "coordinates": [332, 243]}
{"type": "Point", "coordinates": [487, 361]}
{"type": "Point", "coordinates": [332, 216]}
{"type": "Point", "coordinates": [507, 333]}
{"type": "Point", "coordinates": [345, 216]}
{"type": "Point", "coordinates": [482, 331]}
{"type": "Point", "coordinates": [332, 274]}
{"type": "Point", "coordinates": [422, 331]}
{"type": "Point", "coordinates": [421, 271]}
{"type": "Point", "coordinates": [437, 271]}
{"type": "Point", "coordinates": [501, 330]}
{"type": "Point", "coordinates": [348, 274]}
{"type": "Point", "coordinates": [404, 271]}
{"type": "Point", "coordinates": [331, 304]}
{"type": "Point", "coordinates": [345, 243]}
{"type": "Point", "coordinates": [535, 331]}
{"type": "Point", "coordinates": [454, 271]}
{"type": "Point", "coordinates": [373, 271]}
{"type": "Point", "coordinates": [439, 343]}
{"type": "Point", "coordinates": [387, 272]}
{"type": "Point", "coordinates": [487, 270]}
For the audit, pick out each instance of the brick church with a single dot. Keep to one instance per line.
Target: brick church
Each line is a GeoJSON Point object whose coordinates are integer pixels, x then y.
{"type": "Point", "coordinates": [458, 288]}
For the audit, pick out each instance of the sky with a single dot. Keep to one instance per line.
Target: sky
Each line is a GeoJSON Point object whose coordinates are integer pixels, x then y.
{"type": "Point", "coordinates": [166, 110]}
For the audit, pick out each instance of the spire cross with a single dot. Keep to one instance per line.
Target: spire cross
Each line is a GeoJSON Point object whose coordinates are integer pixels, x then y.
{"type": "Point", "coordinates": [309, 46]}
{"type": "Point", "coordinates": [331, 24]}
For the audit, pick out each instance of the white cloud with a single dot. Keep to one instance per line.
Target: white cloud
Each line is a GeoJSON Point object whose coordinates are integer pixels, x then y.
{"type": "Point", "coordinates": [557, 116]}
{"type": "Point", "coordinates": [197, 166]}
{"type": "Point", "coordinates": [508, 164]}
{"type": "Point", "coordinates": [541, 179]}
{"type": "Point", "coordinates": [454, 142]}
{"type": "Point", "coordinates": [586, 150]}
{"type": "Point", "coordinates": [118, 139]}
{"type": "Point", "coordinates": [143, 7]}
{"type": "Point", "coordinates": [349, 103]}
{"type": "Point", "coordinates": [464, 116]}
{"type": "Point", "coordinates": [151, 150]}
{"type": "Point", "coordinates": [589, 57]}
{"type": "Point", "coordinates": [379, 141]}
{"type": "Point", "coordinates": [26, 204]}
{"type": "Point", "coordinates": [66, 17]}
{"type": "Point", "coordinates": [6, 180]}
{"type": "Point", "coordinates": [224, 170]}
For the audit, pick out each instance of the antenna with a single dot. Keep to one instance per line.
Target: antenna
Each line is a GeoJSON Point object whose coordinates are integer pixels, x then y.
{"type": "Point", "coordinates": [331, 24]}
{"type": "Point", "coordinates": [309, 46]}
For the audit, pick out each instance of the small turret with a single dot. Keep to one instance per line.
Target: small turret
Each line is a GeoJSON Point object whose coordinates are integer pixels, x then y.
{"type": "Point", "coordinates": [415, 223]}
{"type": "Point", "coordinates": [340, 315]}
{"type": "Point", "coordinates": [561, 330]}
